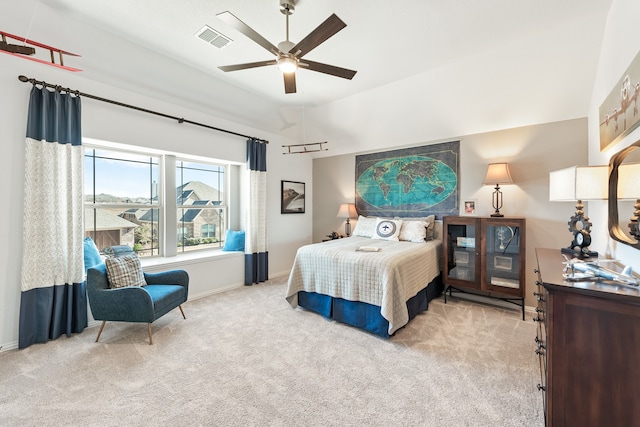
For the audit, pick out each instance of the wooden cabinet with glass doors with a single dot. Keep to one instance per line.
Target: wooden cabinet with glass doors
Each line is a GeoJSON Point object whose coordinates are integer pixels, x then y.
{"type": "Point", "coordinates": [485, 256]}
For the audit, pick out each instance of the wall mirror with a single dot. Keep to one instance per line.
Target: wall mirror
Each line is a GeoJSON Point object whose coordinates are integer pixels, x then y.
{"type": "Point", "coordinates": [623, 194]}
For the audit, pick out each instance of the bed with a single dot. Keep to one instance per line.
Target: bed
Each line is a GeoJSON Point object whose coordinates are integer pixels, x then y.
{"type": "Point", "coordinates": [379, 292]}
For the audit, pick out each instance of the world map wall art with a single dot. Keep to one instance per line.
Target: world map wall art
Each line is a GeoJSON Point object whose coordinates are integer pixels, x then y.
{"type": "Point", "coordinates": [410, 182]}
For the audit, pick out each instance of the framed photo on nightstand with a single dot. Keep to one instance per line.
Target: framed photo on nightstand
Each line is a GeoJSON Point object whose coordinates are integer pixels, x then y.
{"type": "Point", "coordinates": [469, 207]}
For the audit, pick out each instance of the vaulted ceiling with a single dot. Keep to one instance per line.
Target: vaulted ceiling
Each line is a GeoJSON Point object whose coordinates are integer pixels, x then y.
{"type": "Point", "coordinates": [426, 69]}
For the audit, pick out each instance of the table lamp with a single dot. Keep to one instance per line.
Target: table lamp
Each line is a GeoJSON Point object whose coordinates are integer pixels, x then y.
{"type": "Point", "coordinates": [348, 211]}
{"type": "Point", "coordinates": [497, 173]}
{"type": "Point", "coordinates": [575, 184]}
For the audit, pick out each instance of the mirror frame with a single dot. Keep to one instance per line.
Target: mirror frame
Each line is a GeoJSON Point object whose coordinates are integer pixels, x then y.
{"type": "Point", "coordinates": [615, 231]}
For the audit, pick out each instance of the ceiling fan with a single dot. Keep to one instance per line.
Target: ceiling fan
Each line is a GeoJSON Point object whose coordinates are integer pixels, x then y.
{"type": "Point", "coordinates": [289, 55]}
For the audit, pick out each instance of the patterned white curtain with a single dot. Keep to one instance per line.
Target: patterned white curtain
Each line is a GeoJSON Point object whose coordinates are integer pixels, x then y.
{"type": "Point", "coordinates": [53, 299]}
{"type": "Point", "coordinates": [256, 258]}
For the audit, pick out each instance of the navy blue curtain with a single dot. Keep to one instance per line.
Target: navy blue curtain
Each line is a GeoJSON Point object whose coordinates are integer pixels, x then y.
{"type": "Point", "coordinates": [256, 258]}
{"type": "Point", "coordinates": [53, 301]}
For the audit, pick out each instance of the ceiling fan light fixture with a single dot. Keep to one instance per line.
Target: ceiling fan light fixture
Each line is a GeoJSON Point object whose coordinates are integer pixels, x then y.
{"type": "Point", "coordinates": [287, 64]}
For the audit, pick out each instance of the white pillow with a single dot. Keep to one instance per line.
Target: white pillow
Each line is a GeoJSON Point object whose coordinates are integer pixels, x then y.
{"type": "Point", "coordinates": [365, 227]}
{"type": "Point", "coordinates": [413, 231]}
{"type": "Point", "coordinates": [387, 229]}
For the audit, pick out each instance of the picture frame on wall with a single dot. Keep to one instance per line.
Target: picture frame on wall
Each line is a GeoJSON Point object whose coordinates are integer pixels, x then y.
{"type": "Point", "coordinates": [469, 207]}
{"type": "Point", "coordinates": [618, 113]}
{"type": "Point", "coordinates": [292, 197]}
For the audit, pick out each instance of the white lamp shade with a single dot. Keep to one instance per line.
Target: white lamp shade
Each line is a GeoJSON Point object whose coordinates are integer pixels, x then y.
{"type": "Point", "coordinates": [347, 210]}
{"type": "Point", "coordinates": [629, 181]}
{"type": "Point", "coordinates": [579, 183]}
{"type": "Point", "coordinates": [498, 173]}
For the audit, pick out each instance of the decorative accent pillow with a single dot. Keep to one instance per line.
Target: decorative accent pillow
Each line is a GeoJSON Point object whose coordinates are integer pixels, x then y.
{"type": "Point", "coordinates": [234, 241]}
{"type": "Point", "coordinates": [91, 254]}
{"type": "Point", "coordinates": [431, 219]}
{"type": "Point", "coordinates": [124, 271]}
{"type": "Point", "coordinates": [413, 231]}
{"type": "Point", "coordinates": [387, 229]}
{"type": "Point", "coordinates": [365, 227]}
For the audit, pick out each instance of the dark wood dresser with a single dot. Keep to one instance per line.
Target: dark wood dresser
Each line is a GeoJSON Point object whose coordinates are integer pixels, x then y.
{"type": "Point", "coordinates": [589, 346]}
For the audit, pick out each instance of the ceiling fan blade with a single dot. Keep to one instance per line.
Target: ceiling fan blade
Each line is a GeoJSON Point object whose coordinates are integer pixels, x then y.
{"type": "Point", "coordinates": [237, 67]}
{"type": "Point", "coordinates": [289, 82]}
{"type": "Point", "coordinates": [328, 28]}
{"type": "Point", "coordinates": [328, 69]}
{"type": "Point", "coordinates": [233, 21]}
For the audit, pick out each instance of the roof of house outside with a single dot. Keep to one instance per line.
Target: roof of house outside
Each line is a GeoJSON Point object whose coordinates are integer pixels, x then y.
{"type": "Point", "coordinates": [196, 190]}
{"type": "Point", "coordinates": [105, 220]}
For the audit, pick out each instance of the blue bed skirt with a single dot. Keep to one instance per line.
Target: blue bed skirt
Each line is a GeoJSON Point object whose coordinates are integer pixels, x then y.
{"type": "Point", "coordinates": [363, 315]}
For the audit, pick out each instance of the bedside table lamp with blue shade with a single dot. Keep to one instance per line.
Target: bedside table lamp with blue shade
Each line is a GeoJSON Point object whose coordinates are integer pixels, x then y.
{"type": "Point", "coordinates": [578, 184]}
{"type": "Point", "coordinates": [348, 211]}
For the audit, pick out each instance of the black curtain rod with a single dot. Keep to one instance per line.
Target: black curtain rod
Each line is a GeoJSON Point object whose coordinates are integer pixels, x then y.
{"type": "Point", "coordinates": [133, 107]}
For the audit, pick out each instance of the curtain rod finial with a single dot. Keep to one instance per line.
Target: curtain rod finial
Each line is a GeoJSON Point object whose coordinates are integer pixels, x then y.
{"type": "Point", "coordinates": [23, 79]}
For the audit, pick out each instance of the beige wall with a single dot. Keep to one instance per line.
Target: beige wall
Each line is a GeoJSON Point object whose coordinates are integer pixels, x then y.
{"type": "Point", "coordinates": [532, 152]}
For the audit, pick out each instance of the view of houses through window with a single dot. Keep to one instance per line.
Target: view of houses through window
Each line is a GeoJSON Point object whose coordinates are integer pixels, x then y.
{"type": "Point", "coordinates": [124, 203]}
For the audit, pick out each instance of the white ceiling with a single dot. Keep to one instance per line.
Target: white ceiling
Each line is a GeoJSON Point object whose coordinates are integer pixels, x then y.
{"type": "Point", "coordinates": [490, 64]}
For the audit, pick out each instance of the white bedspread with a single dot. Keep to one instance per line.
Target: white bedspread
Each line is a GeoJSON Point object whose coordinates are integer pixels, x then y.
{"type": "Point", "coordinates": [387, 279]}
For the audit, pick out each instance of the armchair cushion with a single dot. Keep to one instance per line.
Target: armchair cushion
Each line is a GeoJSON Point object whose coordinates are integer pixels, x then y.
{"type": "Point", "coordinates": [124, 271]}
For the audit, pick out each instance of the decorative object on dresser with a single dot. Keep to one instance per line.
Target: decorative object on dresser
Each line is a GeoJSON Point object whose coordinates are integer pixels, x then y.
{"type": "Point", "coordinates": [348, 211]}
{"type": "Point", "coordinates": [575, 184]}
{"type": "Point", "coordinates": [587, 341]}
{"type": "Point", "coordinates": [486, 257]}
{"type": "Point", "coordinates": [497, 173]}
{"type": "Point", "coordinates": [577, 270]}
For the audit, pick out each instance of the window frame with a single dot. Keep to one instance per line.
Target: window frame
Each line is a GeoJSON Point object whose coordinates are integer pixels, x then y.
{"type": "Point", "coordinates": [167, 200]}
{"type": "Point", "coordinates": [223, 205]}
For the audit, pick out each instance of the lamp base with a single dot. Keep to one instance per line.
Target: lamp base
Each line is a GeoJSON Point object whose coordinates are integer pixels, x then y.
{"type": "Point", "coordinates": [580, 254]}
{"type": "Point", "coordinates": [498, 215]}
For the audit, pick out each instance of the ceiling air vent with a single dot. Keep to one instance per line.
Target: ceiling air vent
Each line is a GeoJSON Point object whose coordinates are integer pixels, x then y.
{"type": "Point", "coordinates": [213, 37]}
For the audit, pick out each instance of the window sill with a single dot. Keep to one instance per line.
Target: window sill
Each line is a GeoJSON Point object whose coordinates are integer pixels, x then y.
{"type": "Point", "coordinates": [187, 258]}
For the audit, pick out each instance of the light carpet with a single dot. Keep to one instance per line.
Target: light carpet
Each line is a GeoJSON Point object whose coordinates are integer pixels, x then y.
{"type": "Point", "coordinates": [246, 358]}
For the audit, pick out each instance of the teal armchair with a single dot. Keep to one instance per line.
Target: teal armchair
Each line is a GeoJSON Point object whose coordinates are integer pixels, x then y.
{"type": "Point", "coordinates": [164, 292]}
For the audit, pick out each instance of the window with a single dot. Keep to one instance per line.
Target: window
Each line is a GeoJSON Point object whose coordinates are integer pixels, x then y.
{"type": "Point", "coordinates": [128, 200]}
{"type": "Point", "coordinates": [200, 203]}
{"type": "Point", "coordinates": [208, 230]}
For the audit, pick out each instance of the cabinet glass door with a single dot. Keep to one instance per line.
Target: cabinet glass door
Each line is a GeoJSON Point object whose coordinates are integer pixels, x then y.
{"type": "Point", "coordinates": [502, 257]}
{"type": "Point", "coordinates": [462, 252]}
